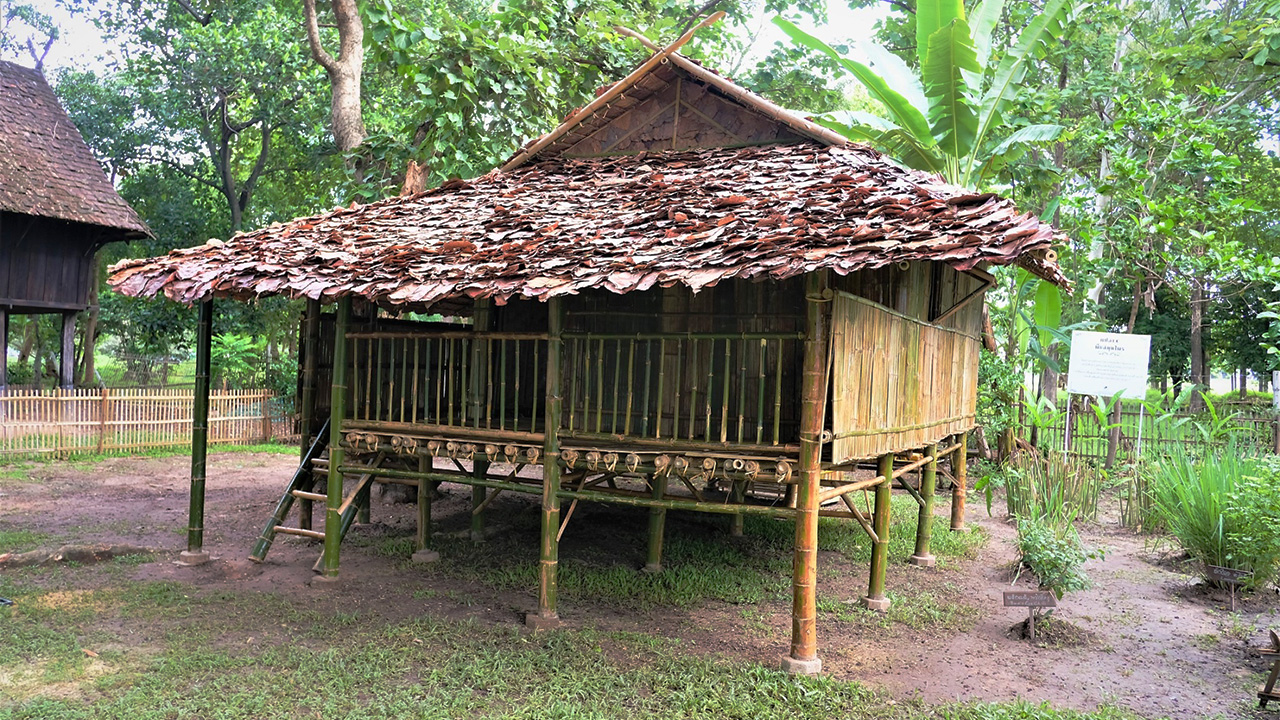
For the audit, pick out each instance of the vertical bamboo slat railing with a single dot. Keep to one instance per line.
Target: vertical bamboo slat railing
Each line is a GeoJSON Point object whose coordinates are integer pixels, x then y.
{"type": "Point", "coordinates": [62, 423]}
{"type": "Point", "coordinates": [690, 387]}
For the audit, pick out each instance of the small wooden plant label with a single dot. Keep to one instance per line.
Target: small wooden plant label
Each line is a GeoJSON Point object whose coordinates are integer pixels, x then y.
{"type": "Point", "coordinates": [1033, 600]}
{"type": "Point", "coordinates": [1230, 577]}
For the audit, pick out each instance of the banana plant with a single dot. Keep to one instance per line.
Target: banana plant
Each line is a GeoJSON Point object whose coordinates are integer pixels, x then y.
{"type": "Point", "coordinates": [950, 118]}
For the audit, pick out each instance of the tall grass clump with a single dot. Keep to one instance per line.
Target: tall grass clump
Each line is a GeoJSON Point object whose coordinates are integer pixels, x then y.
{"type": "Point", "coordinates": [1052, 484]}
{"type": "Point", "coordinates": [1222, 510]}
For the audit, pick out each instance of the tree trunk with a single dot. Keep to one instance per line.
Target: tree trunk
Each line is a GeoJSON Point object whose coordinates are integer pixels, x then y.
{"type": "Point", "coordinates": [344, 71]}
{"type": "Point", "coordinates": [1244, 382]}
{"type": "Point", "coordinates": [30, 331]}
{"type": "Point", "coordinates": [1264, 380]}
{"type": "Point", "coordinates": [1199, 377]}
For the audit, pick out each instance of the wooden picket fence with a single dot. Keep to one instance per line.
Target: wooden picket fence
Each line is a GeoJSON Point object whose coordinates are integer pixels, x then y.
{"type": "Point", "coordinates": [60, 423]}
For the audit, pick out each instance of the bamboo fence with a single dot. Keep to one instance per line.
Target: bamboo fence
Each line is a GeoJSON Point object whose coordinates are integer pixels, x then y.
{"type": "Point", "coordinates": [1090, 439]}
{"type": "Point", "coordinates": [60, 423]}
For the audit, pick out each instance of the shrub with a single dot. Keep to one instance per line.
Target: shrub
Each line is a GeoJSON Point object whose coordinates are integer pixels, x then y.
{"type": "Point", "coordinates": [1222, 510]}
{"type": "Point", "coordinates": [1053, 552]}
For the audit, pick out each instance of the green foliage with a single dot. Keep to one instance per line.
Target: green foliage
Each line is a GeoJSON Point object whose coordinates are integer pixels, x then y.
{"type": "Point", "coordinates": [237, 359]}
{"type": "Point", "coordinates": [999, 381]}
{"type": "Point", "coordinates": [947, 118]}
{"type": "Point", "coordinates": [1054, 554]}
{"type": "Point", "coordinates": [1221, 509]}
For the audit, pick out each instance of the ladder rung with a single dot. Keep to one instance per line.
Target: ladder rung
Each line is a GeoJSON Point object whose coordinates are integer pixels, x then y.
{"type": "Point", "coordinates": [314, 534]}
{"type": "Point", "coordinates": [309, 495]}
{"type": "Point", "coordinates": [320, 461]}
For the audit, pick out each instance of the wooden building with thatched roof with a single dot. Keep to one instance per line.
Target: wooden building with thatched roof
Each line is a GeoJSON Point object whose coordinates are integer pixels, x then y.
{"type": "Point", "coordinates": [681, 288]}
{"type": "Point", "coordinates": [56, 210]}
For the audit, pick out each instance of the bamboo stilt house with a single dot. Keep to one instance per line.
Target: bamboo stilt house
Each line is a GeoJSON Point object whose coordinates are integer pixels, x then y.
{"type": "Point", "coordinates": [681, 287]}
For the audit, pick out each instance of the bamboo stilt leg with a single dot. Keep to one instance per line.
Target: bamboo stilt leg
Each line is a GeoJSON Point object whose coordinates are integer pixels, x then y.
{"type": "Point", "coordinates": [195, 554]}
{"type": "Point", "coordinates": [924, 526]}
{"type": "Point", "coordinates": [546, 617]}
{"type": "Point", "coordinates": [875, 599]}
{"type": "Point", "coordinates": [960, 476]}
{"type": "Point", "coordinates": [337, 413]}
{"type": "Point", "coordinates": [657, 526]}
{"type": "Point", "coordinates": [483, 320]}
{"type": "Point", "coordinates": [738, 495]}
{"type": "Point", "coordinates": [803, 658]}
{"type": "Point", "coordinates": [478, 497]}
{"type": "Point", "coordinates": [425, 491]}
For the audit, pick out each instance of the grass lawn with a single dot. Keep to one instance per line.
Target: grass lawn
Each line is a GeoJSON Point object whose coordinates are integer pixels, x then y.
{"type": "Point", "coordinates": [160, 651]}
{"type": "Point", "coordinates": [92, 642]}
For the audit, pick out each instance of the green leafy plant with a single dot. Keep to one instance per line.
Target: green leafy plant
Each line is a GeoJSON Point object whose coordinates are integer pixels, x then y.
{"type": "Point", "coordinates": [948, 118]}
{"type": "Point", "coordinates": [236, 358]}
{"type": "Point", "coordinates": [1054, 554]}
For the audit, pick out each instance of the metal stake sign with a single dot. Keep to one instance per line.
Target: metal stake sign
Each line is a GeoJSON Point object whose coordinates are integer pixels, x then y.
{"type": "Point", "coordinates": [1105, 365]}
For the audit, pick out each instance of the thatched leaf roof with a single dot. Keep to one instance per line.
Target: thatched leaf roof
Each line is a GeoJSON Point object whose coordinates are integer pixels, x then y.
{"type": "Point", "coordinates": [624, 223]}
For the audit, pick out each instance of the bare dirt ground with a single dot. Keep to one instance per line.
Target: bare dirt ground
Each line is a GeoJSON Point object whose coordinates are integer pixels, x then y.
{"type": "Point", "coordinates": [1151, 640]}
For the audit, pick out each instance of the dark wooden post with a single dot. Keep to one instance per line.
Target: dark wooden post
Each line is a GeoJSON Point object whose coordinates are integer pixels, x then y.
{"type": "Point", "coordinates": [307, 403]}
{"type": "Point", "coordinates": [960, 475]}
{"type": "Point", "coordinates": [924, 526]}
{"type": "Point", "coordinates": [337, 413]}
{"type": "Point", "coordinates": [481, 322]}
{"type": "Point", "coordinates": [67, 358]}
{"type": "Point", "coordinates": [875, 599]}
{"type": "Point", "coordinates": [548, 557]}
{"type": "Point", "coordinates": [803, 658]}
{"type": "Point", "coordinates": [4, 350]}
{"type": "Point", "coordinates": [195, 554]}
{"type": "Point", "coordinates": [310, 361]}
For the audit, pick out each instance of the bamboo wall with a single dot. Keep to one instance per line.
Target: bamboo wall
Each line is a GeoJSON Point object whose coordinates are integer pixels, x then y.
{"type": "Point", "coordinates": [69, 422]}
{"type": "Point", "coordinates": [899, 382]}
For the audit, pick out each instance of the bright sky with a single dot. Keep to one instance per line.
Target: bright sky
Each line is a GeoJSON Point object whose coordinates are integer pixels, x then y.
{"type": "Point", "coordinates": [81, 45]}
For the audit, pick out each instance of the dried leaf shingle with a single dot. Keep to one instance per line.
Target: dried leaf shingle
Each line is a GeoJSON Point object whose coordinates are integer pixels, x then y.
{"type": "Point", "coordinates": [624, 223]}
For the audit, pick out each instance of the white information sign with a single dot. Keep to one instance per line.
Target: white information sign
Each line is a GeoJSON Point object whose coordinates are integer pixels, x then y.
{"type": "Point", "coordinates": [1104, 364]}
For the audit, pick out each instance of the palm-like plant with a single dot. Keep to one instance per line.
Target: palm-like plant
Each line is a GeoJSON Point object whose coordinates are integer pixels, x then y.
{"type": "Point", "coordinates": [950, 118]}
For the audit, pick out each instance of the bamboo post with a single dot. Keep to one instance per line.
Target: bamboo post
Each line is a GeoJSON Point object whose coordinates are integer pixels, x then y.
{"type": "Point", "coordinates": [102, 421]}
{"type": "Point", "coordinates": [924, 526]}
{"type": "Point", "coordinates": [959, 475]}
{"type": "Point", "coordinates": [546, 616]}
{"type": "Point", "coordinates": [482, 321]}
{"type": "Point", "coordinates": [803, 658]}
{"type": "Point", "coordinates": [195, 554]}
{"type": "Point", "coordinates": [266, 416]}
{"type": "Point", "coordinates": [875, 599]}
{"type": "Point", "coordinates": [425, 489]}
{"type": "Point", "coordinates": [337, 413]}
{"type": "Point", "coordinates": [657, 524]}
{"type": "Point", "coordinates": [738, 495]}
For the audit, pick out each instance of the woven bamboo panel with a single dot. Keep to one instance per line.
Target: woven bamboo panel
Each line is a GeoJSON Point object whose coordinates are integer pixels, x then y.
{"type": "Point", "coordinates": [899, 383]}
